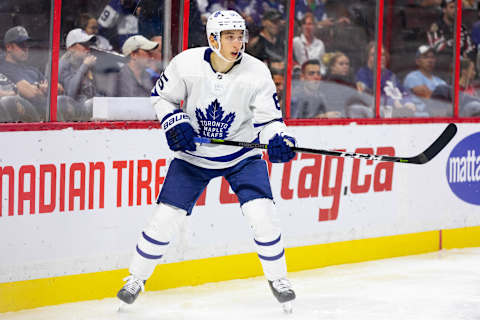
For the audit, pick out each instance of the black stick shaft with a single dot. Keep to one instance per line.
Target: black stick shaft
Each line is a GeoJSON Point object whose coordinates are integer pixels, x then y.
{"type": "Point", "coordinates": [421, 158]}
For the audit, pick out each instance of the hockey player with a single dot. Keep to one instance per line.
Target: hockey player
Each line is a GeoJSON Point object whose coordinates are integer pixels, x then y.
{"type": "Point", "coordinates": [226, 94]}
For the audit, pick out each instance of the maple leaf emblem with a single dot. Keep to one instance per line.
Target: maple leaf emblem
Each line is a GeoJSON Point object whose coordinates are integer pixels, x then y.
{"type": "Point", "coordinates": [212, 123]}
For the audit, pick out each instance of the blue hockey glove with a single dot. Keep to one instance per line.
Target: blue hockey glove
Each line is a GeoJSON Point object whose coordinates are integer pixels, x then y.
{"type": "Point", "coordinates": [179, 131]}
{"type": "Point", "coordinates": [279, 148]}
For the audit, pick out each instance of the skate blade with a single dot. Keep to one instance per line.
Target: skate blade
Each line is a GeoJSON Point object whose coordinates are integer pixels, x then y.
{"type": "Point", "coordinates": [287, 307]}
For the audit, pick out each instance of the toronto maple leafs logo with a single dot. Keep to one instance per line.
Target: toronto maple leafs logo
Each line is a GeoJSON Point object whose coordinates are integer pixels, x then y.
{"type": "Point", "coordinates": [212, 123]}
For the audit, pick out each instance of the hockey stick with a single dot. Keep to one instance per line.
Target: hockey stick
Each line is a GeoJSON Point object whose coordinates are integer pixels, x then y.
{"type": "Point", "coordinates": [421, 158]}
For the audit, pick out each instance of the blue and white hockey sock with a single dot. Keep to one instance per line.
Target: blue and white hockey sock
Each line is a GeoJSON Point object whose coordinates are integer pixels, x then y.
{"type": "Point", "coordinates": [155, 239]}
{"type": "Point", "coordinates": [261, 215]}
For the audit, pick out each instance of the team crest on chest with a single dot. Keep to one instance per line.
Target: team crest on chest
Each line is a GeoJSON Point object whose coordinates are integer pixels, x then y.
{"type": "Point", "coordinates": [212, 123]}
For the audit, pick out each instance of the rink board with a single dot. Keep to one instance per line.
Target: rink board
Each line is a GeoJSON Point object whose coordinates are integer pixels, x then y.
{"type": "Point", "coordinates": [74, 202]}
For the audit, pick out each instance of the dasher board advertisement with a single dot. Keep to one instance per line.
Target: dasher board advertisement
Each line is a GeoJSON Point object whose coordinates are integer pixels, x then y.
{"type": "Point", "coordinates": [75, 201]}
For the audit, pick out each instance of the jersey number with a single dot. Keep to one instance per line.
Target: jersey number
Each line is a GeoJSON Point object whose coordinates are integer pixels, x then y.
{"type": "Point", "coordinates": [104, 16]}
{"type": "Point", "coordinates": [160, 80]}
{"type": "Point", "coordinates": [275, 99]}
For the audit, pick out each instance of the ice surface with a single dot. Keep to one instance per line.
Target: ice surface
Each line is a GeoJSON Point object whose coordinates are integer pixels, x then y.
{"type": "Point", "coordinates": [441, 285]}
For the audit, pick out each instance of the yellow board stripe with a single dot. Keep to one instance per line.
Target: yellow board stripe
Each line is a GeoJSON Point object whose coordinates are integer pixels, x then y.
{"type": "Point", "coordinates": [51, 291]}
{"type": "Point", "coordinates": [461, 238]}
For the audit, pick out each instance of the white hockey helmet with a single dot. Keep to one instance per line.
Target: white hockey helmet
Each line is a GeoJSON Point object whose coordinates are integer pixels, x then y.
{"type": "Point", "coordinates": [225, 20]}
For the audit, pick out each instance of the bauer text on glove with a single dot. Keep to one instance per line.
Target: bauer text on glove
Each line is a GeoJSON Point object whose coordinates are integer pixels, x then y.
{"type": "Point", "coordinates": [179, 131]}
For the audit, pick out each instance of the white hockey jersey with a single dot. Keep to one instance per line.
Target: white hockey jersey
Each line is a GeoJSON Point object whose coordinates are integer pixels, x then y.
{"type": "Point", "coordinates": [240, 105]}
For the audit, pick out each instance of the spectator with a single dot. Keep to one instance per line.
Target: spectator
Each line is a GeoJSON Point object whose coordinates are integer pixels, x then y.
{"type": "Point", "coordinates": [395, 101]}
{"type": "Point", "coordinates": [31, 84]}
{"type": "Point", "coordinates": [307, 100]}
{"type": "Point", "coordinates": [467, 75]}
{"type": "Point", "coordinates": [151, 18]}
{"type": "Point", "coordinates": [90, 25]}
{"type": "Point", "coordinates": [441, 36]}
{"type": "Point", "coordinates": [119, 20]}
{"type": "Point", "coordinates": [469, 4]}
{"type": "Point", "coordinates": [155, 67]}
{"type": "Point", "coordinates": [469, 102]}
{"type": "Point", "coordinates": [347, 36]}
{"type": "Point", "coordinates": [276, 65]}
{"type": "Point", "coordinates": [279, 80]}
{"type": "Point", "coordinates": [317, 8]}
{"type": "Point", "coordinates": [338, 68]}
{"type": "Point", "coordinates": [133, 79]}
{"type": "Point", "coordinates": [250, 10]}
{"type": "Point", "coordinates": [13, 107]}
{"type": "Point", "coordinates": [340, 91]}
{"type": "Point", "coordinates": [76, 75]}
{"type": "Point", "coordinates": [269, 44]}
{"type": "Point", "coordinates": [307, 46]}
{"type": "Point", "coordinates": [273, 5]}
{"type": "Point", "coordinates": [423, 81]}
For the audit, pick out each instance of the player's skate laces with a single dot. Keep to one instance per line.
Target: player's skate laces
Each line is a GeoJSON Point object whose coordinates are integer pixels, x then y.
{"type": "Point", "coordinates": [282, 290]}
{"type": "Point", "coordinates": [131, 289]}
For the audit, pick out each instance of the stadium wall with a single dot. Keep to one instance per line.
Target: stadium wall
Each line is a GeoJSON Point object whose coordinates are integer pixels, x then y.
{"type": "Point", "coordinates": [73, 203]}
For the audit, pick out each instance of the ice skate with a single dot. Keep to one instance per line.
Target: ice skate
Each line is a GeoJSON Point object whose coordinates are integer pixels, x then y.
{"type": "Point", "coordinates": [131, 289]}
{"type": "Point", "coordinates": [282, 290]}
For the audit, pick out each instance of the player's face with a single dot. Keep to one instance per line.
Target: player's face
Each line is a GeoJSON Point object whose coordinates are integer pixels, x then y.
{"type": "Point", "coordinates": [232, 42]}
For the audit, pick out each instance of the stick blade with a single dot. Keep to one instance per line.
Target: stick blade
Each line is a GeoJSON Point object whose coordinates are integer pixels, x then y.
{"type": "Point", "coordinates": [437, 146]}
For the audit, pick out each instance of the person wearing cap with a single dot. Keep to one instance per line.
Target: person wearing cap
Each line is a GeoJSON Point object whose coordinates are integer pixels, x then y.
{"type": "Point", "coordinates": [423, 81]}
{"type": "Point", "coordinates": [156, 66]}
{"type": "Point", "coordinates": [268, 45]}
{"type": "Point", "coordinates": [76, 74]}
{"type": "Point", "coordinates": [31, 84]}
{"type": "Point", "coordinates": [133, 79]}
